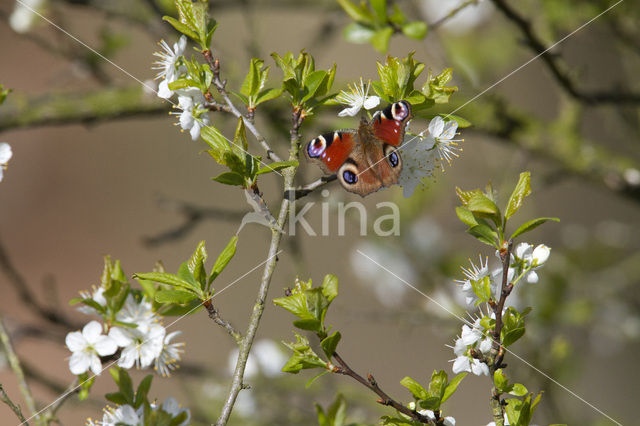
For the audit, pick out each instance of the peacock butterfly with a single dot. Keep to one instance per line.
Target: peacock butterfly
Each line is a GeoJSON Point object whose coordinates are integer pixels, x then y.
{"type": "Point", "coordinates": [365, 159]}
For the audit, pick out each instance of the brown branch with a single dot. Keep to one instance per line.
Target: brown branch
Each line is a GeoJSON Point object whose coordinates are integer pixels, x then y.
{"type": "Point", "coordinates": [303, 191]}
{"type": "Point", "coordinates": [15, 408]}
{"type": "Point", "coordinates": [372, 385]}
{"type": "Point", "coordinates": [557, 67]}
{"type": "Point", "coordinates": [215, 316]}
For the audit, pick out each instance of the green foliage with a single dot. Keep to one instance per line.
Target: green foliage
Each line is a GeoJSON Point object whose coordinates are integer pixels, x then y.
{"type": "Point", "coordinates": [439, 389]}
{"type": "Point", "coordinates": [3, 93]}
{"type": "Point", "coordinates": [501, 382]}
{"type": "Point", "coordinates": [303, 357]}
{"type": "Point", "coordinates": [513, 325]}
{"type": "Point", "coordinates": [372, 23]}
{"type": "Point", "coordinates": [520, 411]}
{"type": "Point", "coordinates": [484, 219]}
{"type": "Point", "coordinates": [307, 87]}
{"type": "Point", "coordinates": [85, 383]}
{"type": "Point", "coordinates": [252, 92]}
{"type": "Point", "coordinates": [336, 414]}
{"type": "Point", "coordinates": [194, 21]}
{"type": "Point", "coordinates": [397, 82]}
{"type": "Point", "coordinates": [198, 76]}
{"type": "Point", "coordinates": [191, 285]}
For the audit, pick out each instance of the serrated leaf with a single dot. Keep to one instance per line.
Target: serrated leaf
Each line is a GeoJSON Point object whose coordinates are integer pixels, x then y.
{"type": "Point", "coordinates": [179, 297]}
{"type": "Point", "coordinates": [312, 82]}
{"type": "Point", "coordinates": [165, 278]}
{"type": "Point", "coordinates": [430, 403]}
{"type": "Point", "coordinates": [438, 384]}
{"type": "Point", "coordinates": [452, 386]}
{"type": "Point", "coordinates": [500, 381]}
{"type": "Point", "coordinates": [216, 141]}
{"type": "Point", "coordinates": [416, 30]}
{"type": "Point", "coordinates": [296, 304]}
{"type": "Point", "coordinates": [522, 190]}
{"type": "Point", "coordinates": [532, 224]}
{"type": "Point", "coordinates": [518, 389]}
{"type": "Point", "coordinates": [330, 287]}
{"type": "Point", "coordinates": [330, 343]}
{"type": "Point", "coordinates": [511, 336]}
{"type": "Point", "coordinates": [224, 258]}
{"type": "Point", "coordinates": [416, 389]}
{"type": "Point", "coordinates": [180, 27]}
{"type": "Point", "coordinates": [195, 264]}
{"type": "Point", "coordinates": [465, 196]}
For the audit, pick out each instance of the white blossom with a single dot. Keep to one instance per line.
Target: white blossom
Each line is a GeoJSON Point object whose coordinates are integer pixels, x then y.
{"type": "Point", "coordinates": [139, 313]}
{"type": "Point", "coordinates": [87, 347]}
{"type": "Point", "coordinates": [123, 415]}
{"type": "Point", "coordinates": [540, 255]}
{"type": "Point", "coordinates": [193, 116]}
{"type": "Point", "coordinates": [5, 155]}
{"type": "Point", "coordinates": [23, 17]}
{"type": "Point", "coordinates": [140, 346]}
{"type": "Point", "coordinates": [473, 274]}
{"type": "Point", "coordinates": [475, 337]}
{"type": "Point", "coordinates": [448, 421]}
{"type": "Point", "coordinates": [97, 296]}
{"type": "Point", "coordinates": [169, 355]}
{"type": "Point", "coordinates": [172, 407]}
{"type": "Point", "coordinates": [443, 133]}
{"type": "Point", "coordinates": [356, 99]}
{"type": "Point", "coordinates": [168, 66]}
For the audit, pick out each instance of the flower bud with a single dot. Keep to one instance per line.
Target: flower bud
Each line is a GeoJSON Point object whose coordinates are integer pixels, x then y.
{"type": "Point", "coordinates": [540, 255]}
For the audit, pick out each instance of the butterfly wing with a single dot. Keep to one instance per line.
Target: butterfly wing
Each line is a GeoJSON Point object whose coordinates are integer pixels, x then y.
{"type": "Point", "coordinates": [331, 150]}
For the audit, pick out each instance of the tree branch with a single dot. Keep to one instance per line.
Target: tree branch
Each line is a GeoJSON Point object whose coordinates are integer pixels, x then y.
{"type": "Point", "coordinates": [372, 385]}
{"type": "Point", "coordinates": [303, 191]}
{"type": "Point", "coordinates": [15, 408]}
{"type": "Point", "coordinates": [557, 67]}
{"type": "Point", "coordinates": [85, 107]}
{"type": "Point", "coordinates": [215, 316]}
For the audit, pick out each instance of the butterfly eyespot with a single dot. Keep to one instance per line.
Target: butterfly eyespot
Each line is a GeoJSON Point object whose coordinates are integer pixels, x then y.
{"type": "Point", "coordinates": [316, 147]}
{"type": "Point", "coordinates": [349, 177]}
{"type": "Point", "coordinates": [400, 110]}
{"type": "Point", "coordinates": [392, 155]}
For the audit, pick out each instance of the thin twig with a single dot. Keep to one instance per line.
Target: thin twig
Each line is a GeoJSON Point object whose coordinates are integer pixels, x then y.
{"type": "Point", "coordinates": [217, 318]}
{"type": "Point", "coordinates": [219, 84]}
{"type": "Point", "coordinates": [372, 384]}
{"type": "Point", "coordinates": [15, 408]}
{"type": "Point", "coordinates": [276, 236]}
{"type": "Point", "coordinates": [558, 68]}
{"type": "Point", "coordinates": [14, 362]}
{"type": "Point", "coordinates": [303, 191]}
{"type": "Point", "coordinates": [451, 14]}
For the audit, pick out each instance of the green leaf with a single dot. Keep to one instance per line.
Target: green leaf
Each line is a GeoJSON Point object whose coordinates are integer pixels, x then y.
{"type": "Point", "coordinates": [480, 203]}
{"type": "Point", "coordinates": [452, 386]}
{"type": "Point", "coordinates": [224, 258]}
{"type": "Point", "coordinates": [303, 356]}
{"type": "Point", "coordinates": [230, 178]}
{"type": "Point", "coordinates": [438, 384]}
{"type": "Point", "coordinates": [330, 287]}
{"type": "Point", "coordinates": [116, 398]}
{"type": "Point", "coordinates": [522, 189]}
{"type": "Point", "coordinates": [484, 234]}
{"type": "Point", "coordinates": [501, 381]}
{"type": "Point", "coordinates": [179, 297]}
{"type": "Point", "coordinates": [511, 336]}
{"type": "Point", "coordinates": [462, 123]}
{"type": "Point", "coordinates": [430, 403]}
{"type": "Point", "coordinates": [267, 94]}
{"type": "Point", "coordinates": [312, 82]}
{"type": "Point", "coordinates": [356, 32]}
{"type": "Point", "coordinates": [125, 385]}
{"type": "Point", "coordinates": [278, 165]}
{"type": "Point", "coordinates": [416, 389]}
{"type": "Point", "coordinates": [357, 13]}
{"type": "Point", "coordinates": [380, 39]}
{"type": "Point", "coordinates": [482, 289]}
{"type": "Point", "coordinates": [314, 378]}
{"type": "Point", "coordinates": [180, 27]}
{"type": "Point", "coordinates": [165, 278]}
{"type": "Point", "coordinates": [380, 10]}
{"type": "Point", "coordinates": [465, 215]}
{"type": "Point", "coordinates": [330, 343]}
{"type": "Point", "coordinates": [532, 224]}
{"type": "Point", "coordinates": [195, 264]}
{"type": "Point", "coordinates": [518, 389]}
{"type": "Point", "coordinates": [465, 196]}
{"type": "Point", "coordinates": [415, 29]}
{"type": "Point", "coordinates": [216, 141]}
{"type": "Point", "coordinates": [143, 391]}
{"type": "Point", "coordinates": [311, 324]}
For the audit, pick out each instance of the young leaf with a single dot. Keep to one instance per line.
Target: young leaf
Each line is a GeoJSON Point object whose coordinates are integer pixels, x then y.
{"type": "Point", "coordinates": [143, 391]}
{"type": "Point", "coordinates": [177, 296]}
{"type": "Point", "coordinates": [501, 381]}
{"type": "Point", "coordinates": [329, 344]}
{"type": "Point", "coordinates": [224, 258]}
{"type": "Point", "coordinates": [522, 189]}
{"type": "Point", "coordinates": [415, 29]}
{"type": "Point", "coordinates": [518, 389]}
{"type": "Point", "coordinates": [480, 203]}
{"type": "Point", "coordinates": [330, 287]}
{"type": "Point", "coordinates": [452, 386]}
{"type": "Point", "coordinates": [416, 389]}
{"type": "Point", "coordinates": [532, 224]}
{"type": "Point", "coordinates": [303, 356]}
{"type": "Point", "coordinates": [355, 32]}
{"type": "Point", "coordinates": [380, 39]}
{"type": "Point", "coordinates": [357, 13]}
{"type": "Point", "coordinates": [465, 215]}
{"type": "Point", "coordinates": [276, 166]}
{"type": "Point", "coordinates": [165, 278]}
{"type": "Point", "coordinates": [230, 178]}
{"type": "Point", "coordinates": [485, 234]}
{"type": "Point", "coordinates": [195, 264]}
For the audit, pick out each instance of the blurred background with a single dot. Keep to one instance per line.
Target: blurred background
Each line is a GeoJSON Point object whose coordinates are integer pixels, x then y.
{"type": "Point", "coordinates": [99, 168]}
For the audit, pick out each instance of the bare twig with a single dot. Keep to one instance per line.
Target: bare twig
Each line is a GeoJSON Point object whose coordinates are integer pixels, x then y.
{"type": "Point", "coordinates": [372, 385]}
{"type": "Point", "coordinates": [276, 236]}
{"type": "Point", "coordinates": [557, 67]}
{"type": "Point", "coordinates": [219, 84]}
{"type": "Point", "coordinates": [303, 191]}
{"type": "Point", "coordinates": [215, 316]}
{"type": "Point", "coordinates": [14, 362]}
{"type": "Point", "coordinates": [15, 408]}
{"type": "Point", "coordinates": [452, 13]}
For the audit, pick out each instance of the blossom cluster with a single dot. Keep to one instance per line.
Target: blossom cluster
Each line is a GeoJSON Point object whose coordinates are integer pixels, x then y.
{"type": "Point", "coordinates": [5, 156]}
{"type": "Point", "coordinates": [421, 153]}
{"type": "Point", "coordinates": [140, 336]}
{"type": "Point", "coordinates": [128, 416]}
{"type": "Point", "coordinates": [171, 67]}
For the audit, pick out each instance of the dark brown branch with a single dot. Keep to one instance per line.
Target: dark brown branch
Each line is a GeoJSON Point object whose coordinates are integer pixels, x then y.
{"type": "Point", "coordinates": [215, 316]}
{"type": "Point", "coordinates": [557, 67]}
{"type": "Point", "coordinates": [15, 408]}
{"type": "Point", "coordinates": [372, 385]}
{"type": "Point", "coordinates": [303, 191]}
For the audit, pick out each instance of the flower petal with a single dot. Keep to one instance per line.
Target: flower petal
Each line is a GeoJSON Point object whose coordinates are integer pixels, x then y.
{"type": "Point", "coordinates": [371, 102]}
{"type": "Point", "coordinates": [163, 90]}
{"type": "Point", "coordinates": [449, 130]}
{"type": "Point", "coordinates": [75, 341]}
{"type": "Point", "coordinates": [96, 365]}
{"type": "Point", "coordinates": [92, 331]}
{"type": "Point", "coordinates": [105, 346]}
{"type": "Point", "coordinates": [79, 362]}
{"type": "Point", "coordinates": [436, 126]}
{"type": "Point", "coordinates": [352, 111]}
{"type": "Point", "coordinates": [461, 364]}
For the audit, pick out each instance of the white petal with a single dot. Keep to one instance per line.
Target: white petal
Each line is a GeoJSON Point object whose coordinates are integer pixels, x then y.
{"type": "Point", "coordinates": [449, 130]}
{"type": "Point", "coordinates": [436, 126]}
{"type": "Point", "coordinates": [470, 336]}
{"type": "Point", "coordinates": [371, 102]}
{"type": "Point", "coordinates": [523, 251]}
{"type": "Point", "coordinates": [127, 415]}
{"type": "Point", "coordinates": [485, 345]}
{"type": "Point", "coordinates": [532, 277]}
{"type": "Point", "coordinates": [163, 90]}
{"type": "Point", "coordinates": [479, 368]}
{"type": "Point", "coordinates": [540, 254]}
{"type": "Point", "coordinates": [449, 421]}
{"type": "Point", "coordinates": [171, 406]}
{"type": "Point", "coordinates": [128, 357]}
{"type": "Point", "coordinates": [186, 120]}
{"type": "Point", "coordinates": [352, 111]}
{"type": "Point", "coordinates": [180, 46]}
{"type": "Point", "coordinates": [461, 364]}
{"type": "Point", "coordinates": [195, 130]}
{"type": "Point", "coordinates": [96, 365]}
{"type": "Point", "coordinates": [106, 346]}
{"type": "Point", "coordinates": [121, 336]}
{"type": "Point", "coordinates": [75, 341]}
{"type": "Point", "coordinates": [79, 362]}
{"type": "Point", "coordinates": [92, 331]}
{"type": "Point", "coordinates": [5, 153]}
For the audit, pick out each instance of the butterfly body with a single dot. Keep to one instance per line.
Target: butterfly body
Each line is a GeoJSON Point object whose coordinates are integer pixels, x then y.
{"type": "Point", "coordinates": [365, 159]}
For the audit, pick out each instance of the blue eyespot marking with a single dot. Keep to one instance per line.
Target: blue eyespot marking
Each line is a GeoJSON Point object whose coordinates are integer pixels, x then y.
{"type": "Point", "coordinates": [349, 177]}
